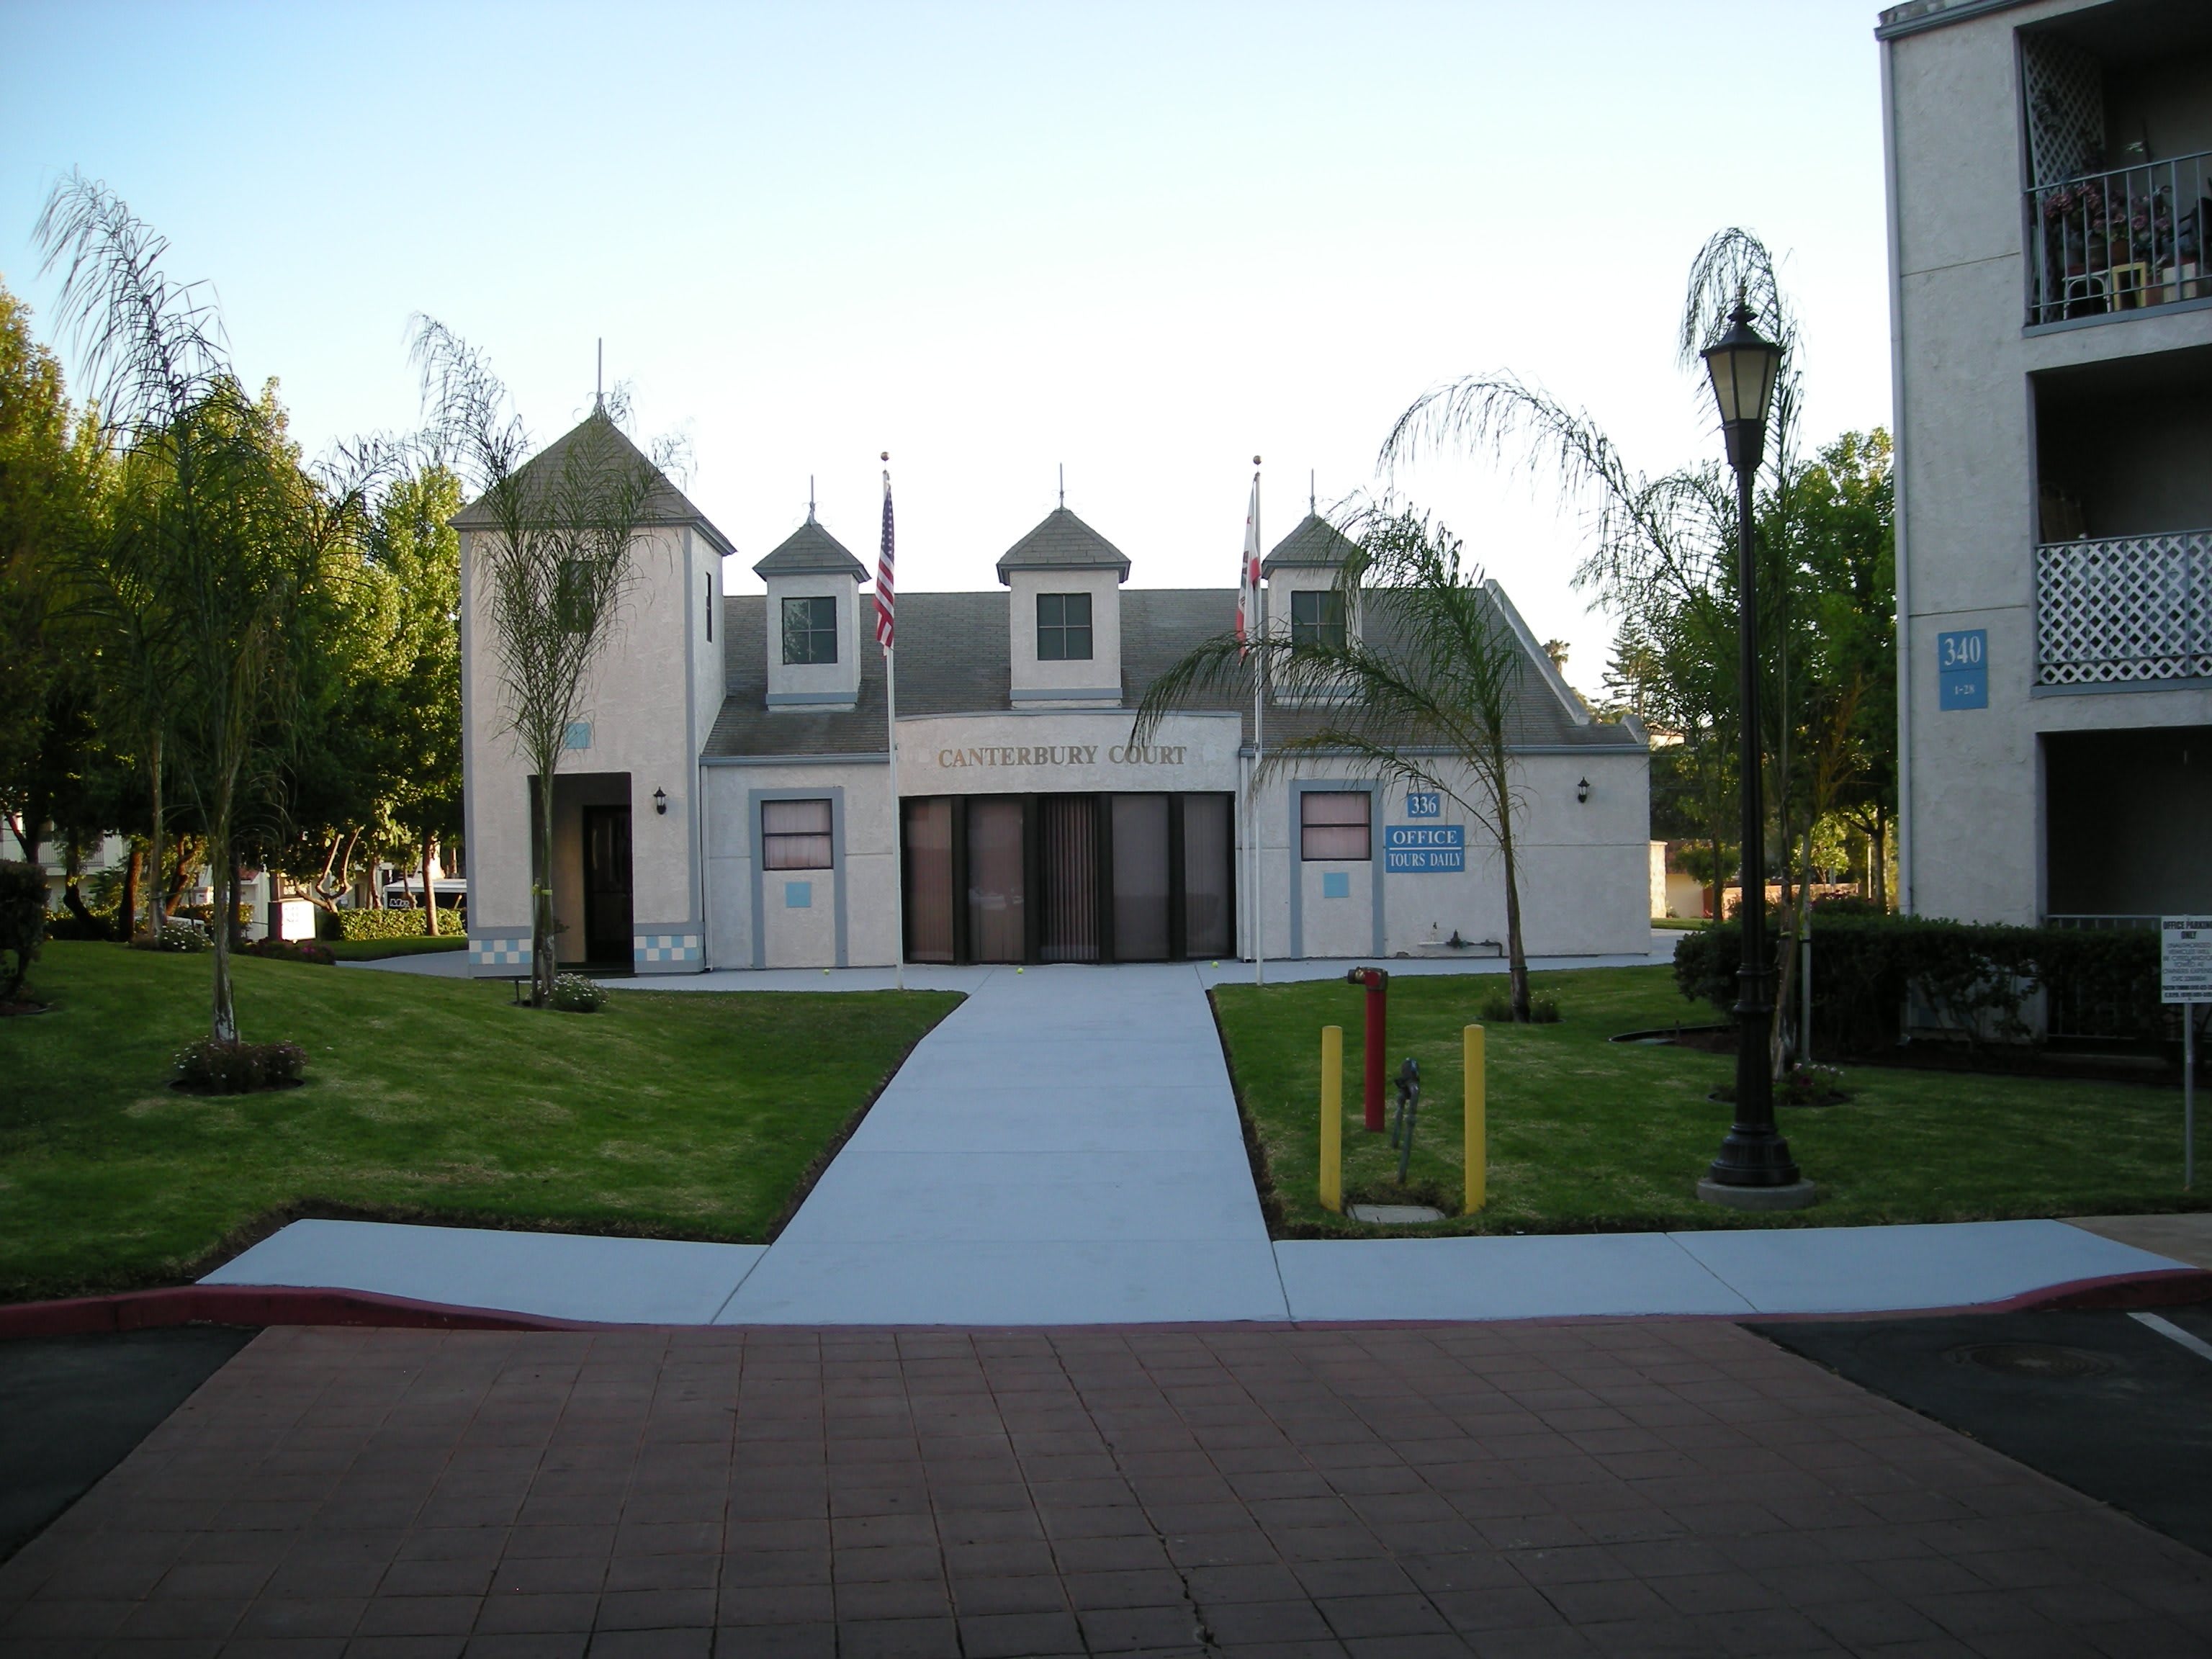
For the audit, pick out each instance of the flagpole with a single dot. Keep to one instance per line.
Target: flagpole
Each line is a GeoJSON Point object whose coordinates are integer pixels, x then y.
{"type": "Point", "coordinates": [1259, 747]}
{"type": "Point", "coordinates": [898, 860]}
{"type": "Point", "coordinates": [885, 632]}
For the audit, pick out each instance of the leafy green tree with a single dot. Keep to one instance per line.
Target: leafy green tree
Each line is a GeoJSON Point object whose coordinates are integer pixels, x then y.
{"type": "Point", "coordinates": [42, 482]}
{"type": "Point", "coordinates": [1420, 689]}
{"type": "Point", "coordinates": [414, 541]}
{"type": "Point", "coordinates": [219, 521]}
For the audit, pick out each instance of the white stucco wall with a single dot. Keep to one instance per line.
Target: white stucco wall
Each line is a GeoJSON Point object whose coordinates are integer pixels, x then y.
{"type": "Point", "coordinates": [641, 701]}
{"type": "Point", "coordinates": [1101, 670]}
{"type": "Point", "coordinates": [863, 880]}
{"type": "Point", "coordinates": [1584, 867]}
{"type": "Point", "coordinates": [816, 683]}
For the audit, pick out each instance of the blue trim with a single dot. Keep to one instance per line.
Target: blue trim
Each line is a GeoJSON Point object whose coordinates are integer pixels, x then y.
{"type": "Point", "coordinates": [1296, 848]}
{"type": "Point", "coordinates": [836, 795]}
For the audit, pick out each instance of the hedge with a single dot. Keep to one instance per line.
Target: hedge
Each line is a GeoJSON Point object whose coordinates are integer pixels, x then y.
{"type": "Point", "coordinates": [1976, 978]}
{"type": "Point", "coordinates": [397, 924]}
{"type": "Point", "coordinates": [22, 923]}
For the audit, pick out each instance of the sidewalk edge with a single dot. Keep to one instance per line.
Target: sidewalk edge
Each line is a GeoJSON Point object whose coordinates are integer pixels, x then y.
{"type": "Point", "coordinates": [258, 1304]}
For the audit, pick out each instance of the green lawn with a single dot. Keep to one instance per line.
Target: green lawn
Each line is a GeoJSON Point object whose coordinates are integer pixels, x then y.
{"type": "Point", "coordinates": [688, 1115]}
{"type": "Point", "coordinates": [1587, 1135]}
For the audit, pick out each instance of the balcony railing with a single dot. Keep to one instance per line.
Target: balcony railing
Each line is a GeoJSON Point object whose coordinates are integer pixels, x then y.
{"type": "Point", "coordinates": [2124, 609]}
{"type": "Point", "coordinates": [2121, 240]}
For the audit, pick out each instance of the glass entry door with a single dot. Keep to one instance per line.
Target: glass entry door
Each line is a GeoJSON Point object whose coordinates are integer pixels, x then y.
{"type": "Point", "coordinates": [1067, 844]}
{"type": "Point", "coordinates": [998, 912]}
{"type": "Point", "coordinates": [1130, 877]}
{"type": "Point", "coordinates": [1141, 877]}
{"type": "Point", "coordinates": [1208, 876]}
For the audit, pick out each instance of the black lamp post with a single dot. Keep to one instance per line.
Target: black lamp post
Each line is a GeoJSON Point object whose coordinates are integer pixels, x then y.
{"type": "Point", "coordinates": [1755, 1170]}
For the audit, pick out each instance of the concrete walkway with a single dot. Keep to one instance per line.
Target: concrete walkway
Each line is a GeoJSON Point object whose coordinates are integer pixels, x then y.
{"type": "Point", "coordinates": [1064, 1149]}
{"type": "Point", "coordinates": [1066, 1140]}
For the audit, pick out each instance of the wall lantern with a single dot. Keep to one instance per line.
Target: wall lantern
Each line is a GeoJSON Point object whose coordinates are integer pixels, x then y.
{"type": "Point", "coordinates": [660, 802]}
{"type": "Point", "coordinates": [1581, 790]}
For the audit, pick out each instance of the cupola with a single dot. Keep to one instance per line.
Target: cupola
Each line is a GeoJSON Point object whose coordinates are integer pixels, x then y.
{"type": "Point", "coordinates": [1063, 615]}
{"type": "Point", "coordinates": [1301, 575]}
{"type": "Point", "coordinates": [813, 621]}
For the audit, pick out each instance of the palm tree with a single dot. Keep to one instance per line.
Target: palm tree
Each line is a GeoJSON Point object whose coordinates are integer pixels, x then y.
{"type": "Point", "coordinates": [554, 566]}
{"type": "Point", "coordinates": [1420, 689]}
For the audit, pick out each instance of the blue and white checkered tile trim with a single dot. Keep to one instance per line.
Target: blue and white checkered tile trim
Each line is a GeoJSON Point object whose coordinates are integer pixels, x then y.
{"type": "Point", "coordinates": [666, 947]}
{"type": "Point", "coordinates": [499, 953]}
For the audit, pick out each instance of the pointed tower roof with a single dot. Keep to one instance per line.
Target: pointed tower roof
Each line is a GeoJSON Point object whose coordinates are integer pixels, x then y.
{"type": "Point", "coordinates": [1314, 544]}
{"type": "Point", "coordinates": [665, 505]}
{"type": "Point", "coordinates": [811, 551]}
{"type": "Point", "coordinates": [1063, 542]}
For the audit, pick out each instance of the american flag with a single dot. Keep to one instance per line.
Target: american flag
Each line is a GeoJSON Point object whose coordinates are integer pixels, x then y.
{"type": "Point", "coordinates": [1247, 587]}
{"type": "Point", "coordinates": [886, 595]}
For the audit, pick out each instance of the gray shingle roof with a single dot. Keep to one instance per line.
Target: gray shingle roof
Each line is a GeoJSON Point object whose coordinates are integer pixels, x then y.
{"type": "Point", "coordinates": [809, 550]}
{"type": "Point", "coordinates": [1316, 544]}
{"type": "Point", "coordinates": [953, 660]}
{"type": "Point", "coordinates": [666, 505]}
{"type": "Point", "coordinates": [1063, 542]}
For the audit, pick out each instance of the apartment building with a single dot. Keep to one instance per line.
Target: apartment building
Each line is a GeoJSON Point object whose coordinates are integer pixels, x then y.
{"type": "Point", "coordinates": [2050, 181]}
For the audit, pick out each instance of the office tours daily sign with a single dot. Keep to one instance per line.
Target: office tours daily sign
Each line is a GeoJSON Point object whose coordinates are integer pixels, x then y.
{"type": "Point", "coordinates": [1424, 849]}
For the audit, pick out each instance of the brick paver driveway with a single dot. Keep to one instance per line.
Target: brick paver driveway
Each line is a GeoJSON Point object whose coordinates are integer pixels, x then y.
{"type": "Point", "coordinates": [1627, 1487]}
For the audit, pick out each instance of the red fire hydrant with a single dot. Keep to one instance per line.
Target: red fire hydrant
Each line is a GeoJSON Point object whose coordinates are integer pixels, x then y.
{"type": "Point", "coordinates": [1378, 994]}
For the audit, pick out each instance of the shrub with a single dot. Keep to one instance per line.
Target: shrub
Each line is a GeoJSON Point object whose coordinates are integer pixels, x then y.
{"type": "Point", "coordinates": [237, 1068]}
{"type": "Point", "coordinates": [179, 937]}
{"type": "Point", "coordinates": [574, 994]}
{"type": "Point", "coordinates": [22, 923]}
{"type": "Point", "coordinates": [1497, 1009]}
{"type": "Point", "coordinates": [1846, 904]}
{"type": "Point", "coordinates": [204, 915]}
{"type": "Point", "coordinates": [397, 924]}
{"type": "Point", "coordinates": [1978, 979]}
{"type": "Point", "coordinates": [284, 949]}
{"type": "Point", "coordinates": [104, 925]}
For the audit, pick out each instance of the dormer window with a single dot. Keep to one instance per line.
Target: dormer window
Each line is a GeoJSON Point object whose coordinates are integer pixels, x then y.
{"type": "Point", "coordinates": [1063, 627]}
{"type": "Point", "coordinates": [809, 631]}
{"type": "Point", "coordinates": [1317, 619]}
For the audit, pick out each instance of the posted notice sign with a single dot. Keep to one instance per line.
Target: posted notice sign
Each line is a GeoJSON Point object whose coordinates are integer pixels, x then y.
{"type": "Point", "coordinates": [1421, 847]}
{"type": "Point", "coordinates": [2184, 958]}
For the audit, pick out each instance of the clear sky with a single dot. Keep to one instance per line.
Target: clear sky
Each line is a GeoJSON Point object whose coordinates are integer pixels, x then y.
{"type": "Point", "coordinates": [1145, 241]}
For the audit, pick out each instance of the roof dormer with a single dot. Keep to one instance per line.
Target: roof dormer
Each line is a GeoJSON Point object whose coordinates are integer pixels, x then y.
{"type": "Point", "coordinates": [1063, 615]}
{"type": "Point", "coordinates": [813, 621]}
{"type": "Point", "coordinates": [1301, 573]}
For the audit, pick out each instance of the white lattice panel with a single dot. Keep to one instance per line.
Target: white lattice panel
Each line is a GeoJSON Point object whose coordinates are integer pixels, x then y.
{"type": "Point", "coordinates": [2125, 609]}
{"type": "Point", "coordinates": [2065, 108]}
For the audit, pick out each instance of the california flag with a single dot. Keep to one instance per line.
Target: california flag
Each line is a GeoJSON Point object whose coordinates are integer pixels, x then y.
{"type": "Point", "coordinates": [1247, 587]}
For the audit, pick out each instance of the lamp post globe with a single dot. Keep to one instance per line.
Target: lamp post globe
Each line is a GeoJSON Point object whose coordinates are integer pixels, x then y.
{"type": "Point", "coordinates": [1755, 1170]}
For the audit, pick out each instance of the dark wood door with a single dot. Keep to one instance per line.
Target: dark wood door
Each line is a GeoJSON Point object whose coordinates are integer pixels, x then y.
{"type": "Point", "coordinates": [606, 885]}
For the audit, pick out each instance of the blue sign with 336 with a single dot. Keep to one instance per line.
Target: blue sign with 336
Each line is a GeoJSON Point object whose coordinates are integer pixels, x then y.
{"type": "Point", "coordinates": [1424, 804]}
{"type": "Point", "coordinates": [1962, 669]}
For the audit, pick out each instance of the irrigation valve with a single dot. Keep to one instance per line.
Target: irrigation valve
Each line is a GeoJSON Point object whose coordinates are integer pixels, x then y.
{"type": "Point", "coordinates": [1409, 1111]}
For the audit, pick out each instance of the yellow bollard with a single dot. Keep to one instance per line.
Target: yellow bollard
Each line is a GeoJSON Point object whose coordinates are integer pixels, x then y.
{"type": "Point", "coordinates": [1332, 1117]}
{"type": "Point", "coordinates": [1476, 1109]}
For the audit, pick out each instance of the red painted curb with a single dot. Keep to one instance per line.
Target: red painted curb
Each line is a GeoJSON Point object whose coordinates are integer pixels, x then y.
{"type": "Point", "coordinates": [257, 1304]}
{"type": "Point", "coordinates": [2163, 1287]}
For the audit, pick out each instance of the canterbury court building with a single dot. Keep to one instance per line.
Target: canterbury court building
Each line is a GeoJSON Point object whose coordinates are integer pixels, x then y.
{"type": "Point", "coordinates": [727, 800]}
